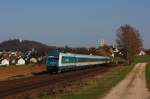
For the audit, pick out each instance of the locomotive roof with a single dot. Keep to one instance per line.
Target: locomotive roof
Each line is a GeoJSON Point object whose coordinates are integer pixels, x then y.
{"type": "Point", "coordinates": [77, 55]}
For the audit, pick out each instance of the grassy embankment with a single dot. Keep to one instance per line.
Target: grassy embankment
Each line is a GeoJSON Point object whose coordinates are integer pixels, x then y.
{"type": "Point", "coordinates": [98, 86]}
{"type": "Point", "coordinates": [148, 75]}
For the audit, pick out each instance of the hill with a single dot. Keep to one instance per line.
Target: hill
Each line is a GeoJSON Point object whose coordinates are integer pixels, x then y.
{"type": "Point", "coordinates": [24, 45]}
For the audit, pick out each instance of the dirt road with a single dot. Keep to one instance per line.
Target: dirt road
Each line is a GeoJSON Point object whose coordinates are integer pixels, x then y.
{"type": "Point", "coordinates": [132, 87]}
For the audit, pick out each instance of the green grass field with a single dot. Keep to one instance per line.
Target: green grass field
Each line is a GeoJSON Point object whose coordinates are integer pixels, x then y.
{"type": "Point", "coordinates": [140, 59]}
{"type": "Point", "coordinates": [98, 88]}
{"type": "Point", "coordinates": [148, 76]}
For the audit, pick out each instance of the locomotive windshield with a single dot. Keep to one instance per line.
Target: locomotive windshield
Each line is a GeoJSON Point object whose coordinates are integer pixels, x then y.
{"type": "Point", "coordinates": [53, 58]}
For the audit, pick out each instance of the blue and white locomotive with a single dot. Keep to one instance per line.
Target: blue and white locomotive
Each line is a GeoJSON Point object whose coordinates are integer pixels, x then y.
{"type": "Point", "coordinates": [58, 62]}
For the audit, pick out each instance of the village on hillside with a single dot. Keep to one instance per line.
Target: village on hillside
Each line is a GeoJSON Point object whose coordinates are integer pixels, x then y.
{"type": "Point", "coordinates": [19, 58]}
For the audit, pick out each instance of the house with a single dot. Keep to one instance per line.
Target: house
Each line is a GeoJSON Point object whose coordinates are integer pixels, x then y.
{"type": "Point", "coordinates": [21, 61]}
{"type": "Point", "coordinates": [115, 50]}
{"type": "Point", "coordinates": [5, 62]}
{"type": "Point", "coordinates": [142, 53]}
{"type": "Point", "coordinates": [33, 60]}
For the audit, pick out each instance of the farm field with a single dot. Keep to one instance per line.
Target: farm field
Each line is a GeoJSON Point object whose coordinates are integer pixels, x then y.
{"type": "Point", "coordinates": [41, 84]}
{"type": "Point", "coordinates": [15, 72]}
{"type": "Point", "coordinates": [142, 59]}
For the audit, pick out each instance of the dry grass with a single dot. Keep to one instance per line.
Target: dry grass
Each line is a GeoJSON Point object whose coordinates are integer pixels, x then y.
{"type": "Point", "coordinates": [14, 72]}
{"type": "Point", "coordinates": [90, 88]}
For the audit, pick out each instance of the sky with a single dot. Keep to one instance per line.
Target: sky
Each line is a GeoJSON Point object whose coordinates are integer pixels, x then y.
{"type": "Point", "coordinates": [76, 23]}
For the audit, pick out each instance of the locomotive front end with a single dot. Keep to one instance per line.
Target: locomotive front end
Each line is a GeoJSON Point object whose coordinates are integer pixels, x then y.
{"type": "Point", "coordinates": [53, 62]}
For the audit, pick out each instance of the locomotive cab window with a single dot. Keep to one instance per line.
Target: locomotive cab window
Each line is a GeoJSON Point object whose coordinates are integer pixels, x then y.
{"type": "Point", "coordinates": [53, 58]}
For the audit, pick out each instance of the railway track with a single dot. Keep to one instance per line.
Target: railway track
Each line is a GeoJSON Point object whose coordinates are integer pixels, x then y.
{"type": "Point", "coordinates": [13, 87]}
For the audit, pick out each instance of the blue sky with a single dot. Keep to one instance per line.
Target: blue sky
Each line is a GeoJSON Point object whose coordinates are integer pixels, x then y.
{"type": "Point", "coordinates": [72, 22]}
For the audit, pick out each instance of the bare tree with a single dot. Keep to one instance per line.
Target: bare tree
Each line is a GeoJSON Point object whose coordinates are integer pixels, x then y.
{"type": "Point", "coordinates": [130, 41]}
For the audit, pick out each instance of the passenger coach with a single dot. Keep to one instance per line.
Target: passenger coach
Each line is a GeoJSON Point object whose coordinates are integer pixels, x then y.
{"type": "Point", "coordinates": [58, 61]}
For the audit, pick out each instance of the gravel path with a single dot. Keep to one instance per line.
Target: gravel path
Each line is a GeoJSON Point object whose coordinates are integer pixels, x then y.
{"type": "Point", "coordinates": [132, 87]}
